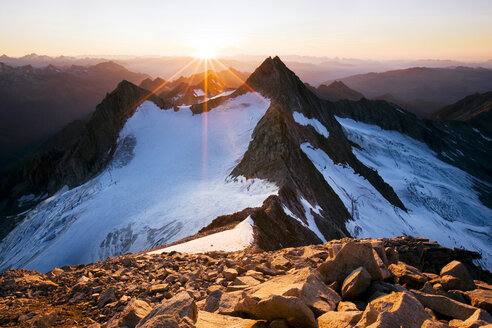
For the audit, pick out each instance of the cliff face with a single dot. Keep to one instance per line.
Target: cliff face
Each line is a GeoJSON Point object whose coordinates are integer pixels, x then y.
{"type": "Point", "coordinates": [405, 281]}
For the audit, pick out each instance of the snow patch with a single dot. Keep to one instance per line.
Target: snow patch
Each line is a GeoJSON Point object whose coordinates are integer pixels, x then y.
{"type": "Point", "coordinates": [236, 239]}
{"type": "Point", "coordinates": [310, 218]}
{"type": "Point", "coordinates": [303, 120]}
{"type": "Point", "coordinates": [27, 199]}
{"type": "Point", "coordinates": [480, 133]}
{"type": "Point", "coordinates": [199, 92]}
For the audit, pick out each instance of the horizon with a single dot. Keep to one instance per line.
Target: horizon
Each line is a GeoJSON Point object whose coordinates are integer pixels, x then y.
{"type": "Point", "coordinates": [382, 31]}
{"type": "Point", "coordinates": [253, 57]}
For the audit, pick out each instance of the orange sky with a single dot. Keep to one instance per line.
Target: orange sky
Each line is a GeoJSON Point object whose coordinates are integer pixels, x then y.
{"type": "Point", "coordinates": [445, 29]}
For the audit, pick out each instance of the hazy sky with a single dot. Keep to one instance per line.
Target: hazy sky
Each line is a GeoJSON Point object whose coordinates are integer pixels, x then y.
{"type": "Point", "coordinates": [396, 29]}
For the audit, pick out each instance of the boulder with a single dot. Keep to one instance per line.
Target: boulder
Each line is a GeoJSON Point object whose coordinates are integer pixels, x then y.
{"type": "Point", "coordinates": [158, 288]}
{"type": "Point", "coordinates": [305, 284]}
{"type": "Point", "coordinates": [445, 305]}
{"type": "Point", "coordinates": [214, 320]}
{"type": "Point", "coordinates": [107, 296]}
{"type": "Point", "coordinates": [278, 323]}
{"type": "Point", "coordinates": [346, 306]}
{"type": "Point", "coordinates": [432, 323]}
{"type": "Point", "coordinates": [462, 279]}
{"type": "Point", "coordinates": [408, 274]}
{"type": "Point", "coordinates": [481, 298]}
{"type": "Point", "coordinates": [391, 255]}
{"type": "Point", "coordinates": [228, 302]}
{"type": "Point", "coordinates": [394, 310]}
{"type": "Point", "coordinates": [168, 321]}
{"type": "Point", "coordinates": [180, 306]}
{"type": "Point", "coordinates": [351, 256]}
{"type": "Point", "coordinates": [255, 274]}
{"type": "Point", "coordinates": [356, 283]}
{"type": "Point", "coordinates": [45, 320]}
{"type": "Point", "coordinates": [131, 315]}
{"type": "Point", "coordinates": [290, 308]}
{"type": "Point", "coordinates": [335, 319]}
{"type": "Point", "coordinates": [453, 283]}
{"type": "Point", "coordinates": [479, 318]}
{"type": "Point", "coordinates": [134, 311]}
{"type": "Point", "coordinates": [213, 301]}
{"type": "Point", "coordinates": [245, 281]}
{"type": "Point", "coordinates": [230, 274]}
{"type": "Point", "coordinates": [380, 289]}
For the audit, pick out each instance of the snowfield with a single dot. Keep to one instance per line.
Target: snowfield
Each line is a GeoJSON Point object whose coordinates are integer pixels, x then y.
{"type": "Point", "coordinates": [169, 178]}
{"type": "Point", "coordinates": [236, 239]}
{"type": "Point", "coordinates": [440, 199]}
{"type": "Point", "coordinates": [299, 118]}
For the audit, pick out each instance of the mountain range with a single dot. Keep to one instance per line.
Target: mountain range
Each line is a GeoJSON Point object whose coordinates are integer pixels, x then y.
{"type": "Point", "coordinates": [268, 164]}
{"type": "Point", "coordinates": [422, 90]}
{"type": "Point", "coordinates": [37, 102]}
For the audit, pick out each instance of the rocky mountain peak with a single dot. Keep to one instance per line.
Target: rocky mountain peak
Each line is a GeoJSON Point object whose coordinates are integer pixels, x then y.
{"type": "Point", "coordinates": [276, 81]}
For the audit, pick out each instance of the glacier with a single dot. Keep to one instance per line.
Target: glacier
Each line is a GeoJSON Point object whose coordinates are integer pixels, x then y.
{"type": "Point", "coordinates": [440, 200]}
{"type": "Point", "coordinates": [168, 178]}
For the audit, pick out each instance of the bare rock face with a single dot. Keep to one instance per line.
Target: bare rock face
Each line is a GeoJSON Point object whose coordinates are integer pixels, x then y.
{"type": "Point", "coordinates": [131, 315]}
{"type": "Point", "coordinates": [432, 323]}
{"type": "Point", "coordinates": [356, 283]}
{"type": "Point", "coordinates": [230, 274]}
{"type": "Point", "coordinates": [481, 298]}
{"type": "Point", "coordinates": [335, 319]}
{"type": "Point", "coordinates": [479, 318]}
{"type": "Point", "coordinates": [135, 311]}
{"type": "Point", "coordinates": [175, 309]}
{"type": "Point", "coordinates": [290, 308]}
{"type": "Point", "coordinates": [214, 320]}
{"type": "Point", "coordinates": [408, 274]}
{"type": "Point", "coordinates": [351, 256]}
{"type": "Point", "coordinates": [394, 310]}
{"type": "Point", "coordinates": [228, 302]}
{"type": "Point", "coordinates": [346, 306]}
{"type": "Point", "coordinates": [455, 275]}
{"type": "Point", "coordinates": [106, 297]}
{"type": "Point", "coordinates": [445, 305]}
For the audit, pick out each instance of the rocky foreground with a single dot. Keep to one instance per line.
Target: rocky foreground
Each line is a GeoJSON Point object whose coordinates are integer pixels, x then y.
{"type": "Point", "coordinates": [405, 281]}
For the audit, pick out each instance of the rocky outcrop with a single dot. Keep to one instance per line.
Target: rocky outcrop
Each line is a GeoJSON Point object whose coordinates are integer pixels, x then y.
{"type": "Point", "coordinates": [290, 287]}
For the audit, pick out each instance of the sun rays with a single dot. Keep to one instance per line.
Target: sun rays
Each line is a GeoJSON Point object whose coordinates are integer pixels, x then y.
{"type": "Point", "coordinates": [204, 60]}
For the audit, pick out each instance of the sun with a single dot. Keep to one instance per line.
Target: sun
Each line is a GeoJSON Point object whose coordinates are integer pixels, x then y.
{"type": "Point", "coordinates": [205, 51]}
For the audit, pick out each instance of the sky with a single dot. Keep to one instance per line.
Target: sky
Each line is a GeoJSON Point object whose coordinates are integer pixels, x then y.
{"type": "Point", "coordinates": [379, 29]}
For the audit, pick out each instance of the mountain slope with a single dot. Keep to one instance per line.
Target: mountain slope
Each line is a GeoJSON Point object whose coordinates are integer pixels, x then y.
{"type": "Point", "coordinates": [35, 103]}
{"type": "Point", "coordinates": [72, 156]}
{"type": "Point", "coordinates": [270, 163]}
{"type": "Point", "coordinates": [157, 184]}
{"type": "Point", "coordinates": [419, 107]}
{"type": "Point", "coordinates": [474, 109]}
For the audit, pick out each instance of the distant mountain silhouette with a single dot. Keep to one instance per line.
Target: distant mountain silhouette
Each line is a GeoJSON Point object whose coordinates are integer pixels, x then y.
{"type": "Point", "coordinates": [37, 102]}
{"type": "Point", "coordinates": [335, 91]}
{"type": "Point", "coordinates": [422, 86]}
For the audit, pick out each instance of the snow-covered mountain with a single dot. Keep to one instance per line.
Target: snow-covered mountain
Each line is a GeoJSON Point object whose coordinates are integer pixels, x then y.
{"type": "Point", "coordinates": [270, 165]}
